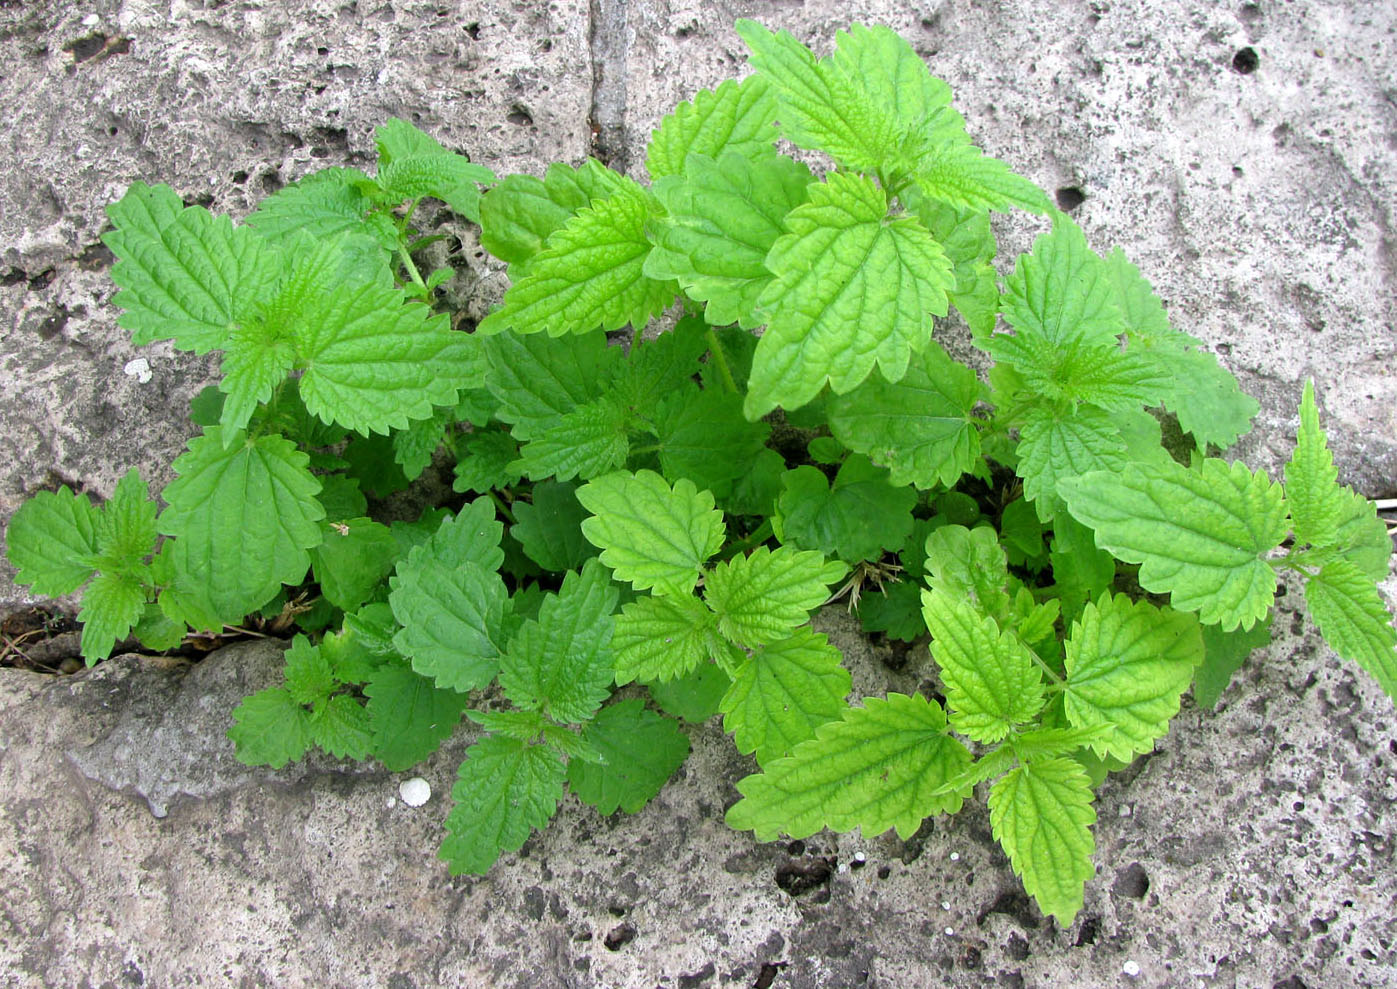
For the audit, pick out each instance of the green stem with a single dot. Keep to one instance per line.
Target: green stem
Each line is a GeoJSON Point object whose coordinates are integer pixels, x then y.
{"type": "Point", "coordinates": [648, 448]}
{"type": "Point", "coordinates": [715, 349]}
{"type": "Point", "coordinates": [1057, 679]}
{"type": "Point", "coordinates": [502, 507]}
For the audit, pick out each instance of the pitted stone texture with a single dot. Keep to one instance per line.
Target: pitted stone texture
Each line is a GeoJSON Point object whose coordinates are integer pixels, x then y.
{"type": "Point", "coordinates": [1255, 844]}
{"type": "Point", "coordinates": [225, 103]}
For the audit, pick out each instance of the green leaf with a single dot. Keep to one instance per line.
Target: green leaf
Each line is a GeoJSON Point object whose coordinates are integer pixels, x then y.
{"type": "Point", "coordinates": [1223, 655]}
{"type": "Point", "coordinates": [736, 118]}
{"type": "Point", "coordinates": [640, 751]}
{"type": "Point", "coordinates": [759, 598]}
{"type": "Point", "coordinates": [550, 529]}
{"type": "Point", "coordinates": [538, 379]}
{"type": "Point", "coordinates": [1042, 815]}
{"type": "Point", "coordinates": [245, 514]}
{"type": "Point", "coordinates": [877, 768]}
{"type": "Point", "coordinates": [960, 174]}
{"type": "Point", "coordinates": [1351, 616]}
{"type": "Point", "coordinates": [111, 606]}
{"type": "Point", "coordinates": [589, 440]}
{"type": "Point", "coordinates": [1200, 535]}
{"type": "Point", "coordinates": [1053, 447]}
{"type": "Point", "coordinates": [486, 461]}
{"type": "Point", "coordinates": [857, 519]}
{"type": "Point", "coordinates": [696, 696]}
{"type": "Point", "coordinates": [156, 632]}
{"type": "Point", "coordinates": [1363, 538]}
{"type": "Point", "coordinates": [415, 446]}
{"type": "Point", "coordinates": [270, 729]}
{"type": "Point", "coordinates": [662, 637]}
{"type": "Point", "coordinates": [992, 682]}
{"type": "Point", "coordinates": [650, 534]}
{"type": "Point", "coordinates": [409, 715]}
{"type": "Point", "coordinates": [704, 436]}
{"type": "Point", "coordinates": [324, 204]}
{"type": "Point", "coordinates": [971, 565]}
{"type": "Point", "coordinates": [309, 677]}
{"type": "Point", "coordinates": [561, 663]}
{"type": "Point", "coordinates": [126, 528]}
{"type": "Point", "coordinates": [1128, 663]}
{"type": "Point", "coordinates": [1205, 397]}
{"type": "Point", "coordinates": [783, 693]}
{"type": "Point", "coordinates": [896, 611]}
{"type": "Point", "coordinates": [1312, 491]}
{"type": "Point", "coordinates": [452, 604]}
{"type": "Point", "coordinates": [919, 428]}
{"type": "Point", "coordinates": [504, 790]}
{"type": "Point", "coordinates": [853, 289]}
{"type": "Point", "coordinates": [589, 274]}
{"type": "Point", "coordinates": [355, 557]}
{"type": "Point", "coordinates": [448, 177]}
{"type": "Point", "coordinates": [51, 541]}
{"type": "Point", "coordinates": [343, 728]}
{"type": "Point", "coordinates": [183, 273]}
{"type": "Point", "coordinates": [1080, 570]}
{"type": "Point", "coordinates": [756, 492]}
{"type": "Point", "coordinates": [519, 214]}
{"type": "Point", "coordinates": [722, 219]}
{"type": "Point", "coordinates": [1062, 291]}
{"type": "Point", "coordinates": [655, 369]}
{"type": "Point", "coordinates": [373, 361]}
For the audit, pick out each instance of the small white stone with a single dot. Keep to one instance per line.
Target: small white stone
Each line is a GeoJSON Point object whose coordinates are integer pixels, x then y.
{"type": "Point", "coordinates": [945, 904]}
{"type": "Point", "coordinates": [1131, 968]}
{"type": "Point", "coordinates": [860, 857]}
{"type": "Point", "coordinates": [392, 802]}
{"type": "Point", "coordinates": [1125, 810]}
{"type": "Point", "coordinates": [950, 931]}
{"type": "Point", "coordinates": [415, 792]}
{"type": "Point", "coordinates": [139, 368]}
{"type": "Point", "coordinates": [91, 20]}
{"type": "Point", "coordinates": [955, 856]}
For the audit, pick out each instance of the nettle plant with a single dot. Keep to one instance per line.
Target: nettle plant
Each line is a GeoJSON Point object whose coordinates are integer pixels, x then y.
{"type": "Point", "coordinates": [667, 509]}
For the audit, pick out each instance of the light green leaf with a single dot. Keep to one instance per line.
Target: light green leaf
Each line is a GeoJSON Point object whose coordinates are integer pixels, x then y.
{"type": "Point", "coordinates": [538, 379]}
{"type": "Point", "coordinates": [735, 118]}
{"type": "Point", "coordinates": [650, 534]}
{"type": "Point", "coordinates": [969, 564]}
{"type": "Point", "coordinates": [354, 558]}
{"type": "Point", "coordinates": [960, 174]}
{"type": "Point", "coordinates": [1053, 447]}
{"type": "Point", "coordinates": [504, 790]}
{"type": "Point", "coordinates": [589, 274]}
{"type": "Point", "coordinates": [992, 682]}
{"type": "Point", "coordinates": [561, 663]}
{"type": "Point", "coordinates": [655, 369]}
{"type": "Point", "coordinates": [783, 693]}
{"type": "Point", "coordinates": [853, 290]}
{"type": "Point", "coordinates": [1223, 655]}
{"type": "Point", "coordinates": [1062, 291]}
{"type": "Point", "coordinates": [1312, 491]}
{"type": "Point", "coordinates": [448, 177]}
{"type": "Point", "coordinates": [877, 768]}
{"type": "Point", "coordinates": [245, 514]}
{"type": "Point", "coordinates": [415, 446]}
{"type": "Point", "coordinates": [859, 518]}
{"type": "Point", "coordinates": [587, 441]}
{"type": "Point", "coordinates": [1362, 537]}
{"type": "Point", "coordinates": [111, 606]}
{"type": "Point", "coordinates": [409, 715]}
{"type": "Point", "coordinates": [1128, 663]}
{"type": "Point", "coordinates": [919, 428]}
{"type": "Point", "coordinates": [1205, 397]}
{"type": "Point", "coordinates": [1200, 535]}
{"type": "Point", "coordinates": [759, 598]}
{"type": "Point", "coordinates": [126, 529]}
{"type": "Point", "coordinates": [373, 361]}
{"type": "Point", "coordinates": [722, 219]}
{"type": "Point", "coordinates": [270, 729]}
{"type": "Point", "coordinates": [640, 750]}
{"type": "Point", "coordinates": [519, 214]}
{"type": "Point", "coordinates": [662, 637]}
{"type": "Point", "coordinates": [550, 529]}
{"type": "Point", "coordinates": [343, 728]}
{"type": "Point", "coordinates": [1353, 619]}
{"type": "Point", "coordinates": [472, 536]}
{"type": "Point", "coordinates": [52, 540]}
{"type": "Point", "coordinates": [156, 632]}
{"type": "Point", "coordinates": [309, 676]}
{"type": "Point", "coordinates": [183, 273]}
{"type": "Point", "coordinates": [324, 204]}
{"type": "Point", "coordinates": [1042, 815]}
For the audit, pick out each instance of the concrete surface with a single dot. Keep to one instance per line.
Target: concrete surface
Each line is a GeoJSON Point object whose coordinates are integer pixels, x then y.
{"type": "Point", "coordinates": [1254, 848]}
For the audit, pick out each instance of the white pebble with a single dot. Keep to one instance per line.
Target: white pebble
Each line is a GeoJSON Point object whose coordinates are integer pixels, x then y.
{"type": "Point", "coordinates": [945, 904]}
{"type": "Point", "coordinates": [1131, 968]}
{"type": "Point", "coordinates": [415, 792]}
{"type": "Point", "coordinates": [860, 857]}
{"type": "Point", "coordinates": [950, 931]}
{"type": "Point", "coordinates": [91, 20]}
{"type": "Point", "coordinates": [1125, 810]}
{"type": "Point", "coordinates": [138, 369]}
{"type": "Point", "coordinates": [955, 856]}
{"type": "Point", "coordinates": [392, 802]}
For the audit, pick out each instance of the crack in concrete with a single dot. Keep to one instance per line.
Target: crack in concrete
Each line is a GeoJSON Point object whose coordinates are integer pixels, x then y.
{"type": "Point", "coordinates": [609, 41]}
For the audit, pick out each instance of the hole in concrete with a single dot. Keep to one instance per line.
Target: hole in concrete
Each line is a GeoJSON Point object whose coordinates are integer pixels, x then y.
{"type": "Point", "coordinates": [42, 280]}
{"type": "Point", "coordinates": [1013, 903]}
{"type": "Point", "coordinates": [473, 29]}
{"type": "Point", "coordinates": [239, 177]}
{"type": "Point", "coordinates": [800, 878]}
{"type": "Point", "coordinates": [1132, 881]}
{"type": "Point", "coordinates": [95, 257]}
{"type": "Point", "coordinates": [1246, 61]}
{"type": "Point", "coordinates": [14, 276]}
{"type": "Point", "coordinates": [766, 975]}
{"type": "Point", "coordinates": [271, 182]}
{"type": "Point", "coordinates": [519, 117]}
{"type": "Point", "coordinates": [1017, 947]}
{"type": "Point", "coordinates": [1091, 930]}
{"type": "Point", "coordinates": [618, 937]}
{"type": "Point", "coordinates": [86, 47]}
{"type": "Point", "coordinates": [1069, 197]}
{"type": "Point", "coordinates": [53, 325]}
